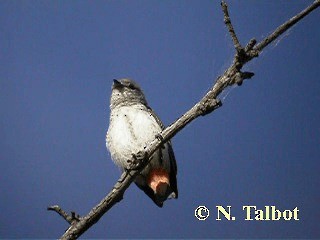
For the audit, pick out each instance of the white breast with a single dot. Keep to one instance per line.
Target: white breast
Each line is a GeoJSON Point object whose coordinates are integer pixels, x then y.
{"type": "Point", "coordinates": [129, 131]}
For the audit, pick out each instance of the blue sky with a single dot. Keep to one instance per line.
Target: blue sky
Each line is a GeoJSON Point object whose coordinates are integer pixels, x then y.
{"type": "Point", "coordinates": [57, 62]}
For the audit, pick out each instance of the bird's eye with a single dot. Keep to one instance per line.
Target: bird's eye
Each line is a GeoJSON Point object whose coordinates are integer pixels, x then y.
{"type": "Point", "coordinates": [131, 86]}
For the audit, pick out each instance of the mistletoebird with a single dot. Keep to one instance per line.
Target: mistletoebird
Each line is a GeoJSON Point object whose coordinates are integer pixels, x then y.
{"type": "Point", "coordinates": [132, 125]}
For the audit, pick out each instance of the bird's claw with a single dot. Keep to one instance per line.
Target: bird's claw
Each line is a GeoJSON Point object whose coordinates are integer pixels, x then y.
{"type": "Point", "coordinates": [137, 159]}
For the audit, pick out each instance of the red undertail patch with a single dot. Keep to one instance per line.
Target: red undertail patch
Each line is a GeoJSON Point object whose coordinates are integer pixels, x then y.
{"type": "Point", "coordinates": [158, 181]}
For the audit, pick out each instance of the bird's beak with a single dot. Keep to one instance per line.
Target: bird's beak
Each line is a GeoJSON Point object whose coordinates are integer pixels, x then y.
{"type": "Point", "coordinates": [116, 83]}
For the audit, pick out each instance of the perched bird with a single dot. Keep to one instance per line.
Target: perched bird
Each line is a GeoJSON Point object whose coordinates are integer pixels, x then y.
{"type": "Point", "coordinates": [132, 125]}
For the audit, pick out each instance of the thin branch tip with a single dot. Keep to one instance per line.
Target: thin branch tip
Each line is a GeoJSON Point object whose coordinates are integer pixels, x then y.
{"type": "Point", "coordinates": [69, 218]}
{"type": "Point", "coordinates": [285, 26]}
{"type": "Point", "coordinates": [227, 21]}
{"type": "Point", "coordinates": [250, 45]}
{"type": "Point", "coordinates": [53, 208]}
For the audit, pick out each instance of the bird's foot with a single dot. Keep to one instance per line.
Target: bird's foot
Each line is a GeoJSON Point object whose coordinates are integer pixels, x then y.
{"type": "Point", "coordinates": [137, 160]}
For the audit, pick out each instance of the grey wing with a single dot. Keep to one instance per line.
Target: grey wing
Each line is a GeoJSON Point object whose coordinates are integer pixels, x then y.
{"type": "Point", "coordinates": [173, 164]}
{"type": "Point", "coordinates": [173, 170]}
{"type": "Point", "coordinates": [152, 113]}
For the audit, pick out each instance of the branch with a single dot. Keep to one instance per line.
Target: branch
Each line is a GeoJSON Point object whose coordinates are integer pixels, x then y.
{"type": "Point", "coordinates": [69, 218]}
{"type": "Point", "coordinates": [227, 21]}
{"type": "Point", "coordinates": [206, 105]}
{"type": "Point", "coordinates": [284, 27]}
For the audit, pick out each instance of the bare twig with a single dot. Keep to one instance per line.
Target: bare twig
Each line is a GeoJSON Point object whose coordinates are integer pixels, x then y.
{"type": "Point", "coordinates": [206, 105]}
{"type": "Point", "coordinates": [284, 27]}
{"type": "Point", "coordinates": [69, 218]}
{"type": "Point", "coordinates": [232, 33]}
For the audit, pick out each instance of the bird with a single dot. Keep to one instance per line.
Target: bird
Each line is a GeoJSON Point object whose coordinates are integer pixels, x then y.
{"type": "Point", "coordinates": [132, 125]}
